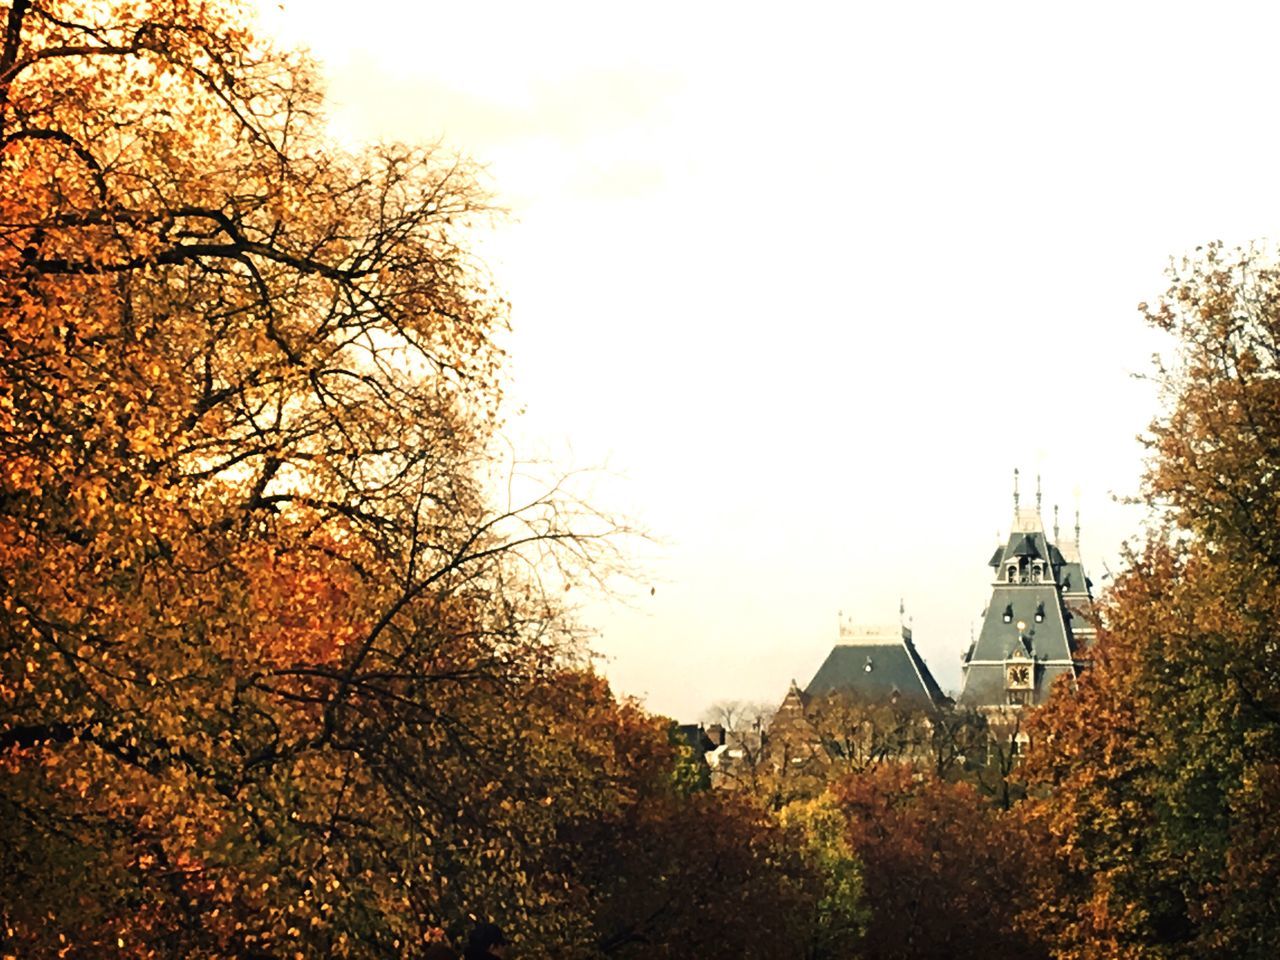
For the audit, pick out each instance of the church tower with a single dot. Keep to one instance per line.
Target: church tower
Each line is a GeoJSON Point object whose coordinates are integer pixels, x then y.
{"type": "Point", "coordinates": [1038, 624]}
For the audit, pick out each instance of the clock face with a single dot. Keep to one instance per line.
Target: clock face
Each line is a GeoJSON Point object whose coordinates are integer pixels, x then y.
{"type": "Point", "coordinates": [1019, 676]}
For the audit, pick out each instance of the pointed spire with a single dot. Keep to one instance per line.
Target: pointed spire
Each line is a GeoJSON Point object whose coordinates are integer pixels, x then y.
{"type": "Point", "coordinates": [1071, 549]}
{"type": "Point", "coordinates": [1025, 520]}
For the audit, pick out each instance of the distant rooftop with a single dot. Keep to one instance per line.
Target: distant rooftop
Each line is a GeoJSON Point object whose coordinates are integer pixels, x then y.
{"type": "Point", "coordinates": [876, 663]}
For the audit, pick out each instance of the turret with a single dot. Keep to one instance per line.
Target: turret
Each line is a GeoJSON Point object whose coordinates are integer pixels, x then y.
{"type": "Point", "coordinates": [1038, 620]}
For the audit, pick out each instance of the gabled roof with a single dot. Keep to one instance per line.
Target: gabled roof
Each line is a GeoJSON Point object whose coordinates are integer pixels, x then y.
{"type": "Point", "coordinates": [795, 699]}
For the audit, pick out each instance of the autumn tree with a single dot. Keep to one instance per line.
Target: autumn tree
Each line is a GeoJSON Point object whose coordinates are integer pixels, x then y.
{"type": "Point", "coordinates": [713, 873]}
{"type": "Point", "coordinates": [276, 674]}
{"type": "Point", "coordinates": [1114, 892]}
{"type": "Point", "coordinates": [1160, 777]}
{"type": "Point", "coordinates": [841, 734]}
{"type": "Point", "coordinates": [645, 864]}
{"type": "Point", "coordinates": [838, 914]}
{"type": "Point", "coordinates": [944, 874]}
{"type": "Point", "coordinates": [739, 715]}
{"type": "Point", "coordinates": [986, 750]}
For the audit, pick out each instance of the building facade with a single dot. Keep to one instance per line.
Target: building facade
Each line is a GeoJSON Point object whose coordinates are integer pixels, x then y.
{"type": "Point", "coordinates": [1036, 632]}
{"type": "Point", "coordinates": [1039, 623]}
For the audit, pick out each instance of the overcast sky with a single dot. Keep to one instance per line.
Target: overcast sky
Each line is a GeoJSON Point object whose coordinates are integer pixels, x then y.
{"type": "Point", "coordinates": [812, 279]}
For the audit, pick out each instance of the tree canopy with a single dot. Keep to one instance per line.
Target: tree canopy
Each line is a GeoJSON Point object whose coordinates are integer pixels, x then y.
{"type": "Point", "coordinates": [284, 671]}
{"type": "Point", "coordinates": [1159, 779]}
{"type": "Point", "coordinates": [261, 623]}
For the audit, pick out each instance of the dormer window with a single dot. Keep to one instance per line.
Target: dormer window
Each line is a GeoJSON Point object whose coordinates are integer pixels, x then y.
{"type": "Point", "coordinates": [1008, 613]}
{"type": "Point", "coordinates": [1013, 573]}
{"type": "Point", "coordinates": [1037, 572]}
{"type": "Point", "coordinates": [1040, 613]}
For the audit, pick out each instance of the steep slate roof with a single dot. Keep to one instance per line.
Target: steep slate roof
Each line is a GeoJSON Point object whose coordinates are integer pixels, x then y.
{"type": "Point", "coordinates": [877, 665]}
{"type": "Point", "coordinates": [1026, 547]}
{"type": "Point", "coordinates": [1045, 618]}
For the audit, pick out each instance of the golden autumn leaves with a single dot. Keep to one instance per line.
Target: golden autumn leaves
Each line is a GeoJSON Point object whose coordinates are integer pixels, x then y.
{"type": "Point", "coordinates": [276, 677]}
{"type": "Point", "coordinates": [255, 603]}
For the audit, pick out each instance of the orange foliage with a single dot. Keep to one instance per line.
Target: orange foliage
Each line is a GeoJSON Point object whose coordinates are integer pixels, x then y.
{"type": "Point", "coordinates": [261, 632]}
{"type": "Point", "coordinates": [945, 874]}
{"type": "Point", "coordinates": [1156, 781]}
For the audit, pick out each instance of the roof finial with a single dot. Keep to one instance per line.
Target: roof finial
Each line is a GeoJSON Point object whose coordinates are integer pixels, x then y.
{"type": "Point", "coordinates": [1037, 494]}
{"type": "Point", "coordinates": [1015, 489]}
{"type": "Point", "coordinates": [1055, 523]}
{"type": "Point", "coordinates": [1077, 527]}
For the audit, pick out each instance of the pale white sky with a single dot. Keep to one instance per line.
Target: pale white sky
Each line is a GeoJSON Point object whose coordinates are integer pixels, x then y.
{"type": "Point", "coordinates": [812, 279]}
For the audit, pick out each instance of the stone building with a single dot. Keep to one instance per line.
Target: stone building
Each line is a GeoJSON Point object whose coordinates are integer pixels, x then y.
{"type": "Point", "coordinates": [1037, 627]}
{"type": "Point", "coordinates": [873, 685]}
{"type": "Point", "coordinates": [1036, 630]}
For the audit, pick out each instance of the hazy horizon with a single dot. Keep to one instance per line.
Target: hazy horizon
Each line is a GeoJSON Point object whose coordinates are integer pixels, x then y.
{"type": "Point", "coordinates": [811, 283]}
